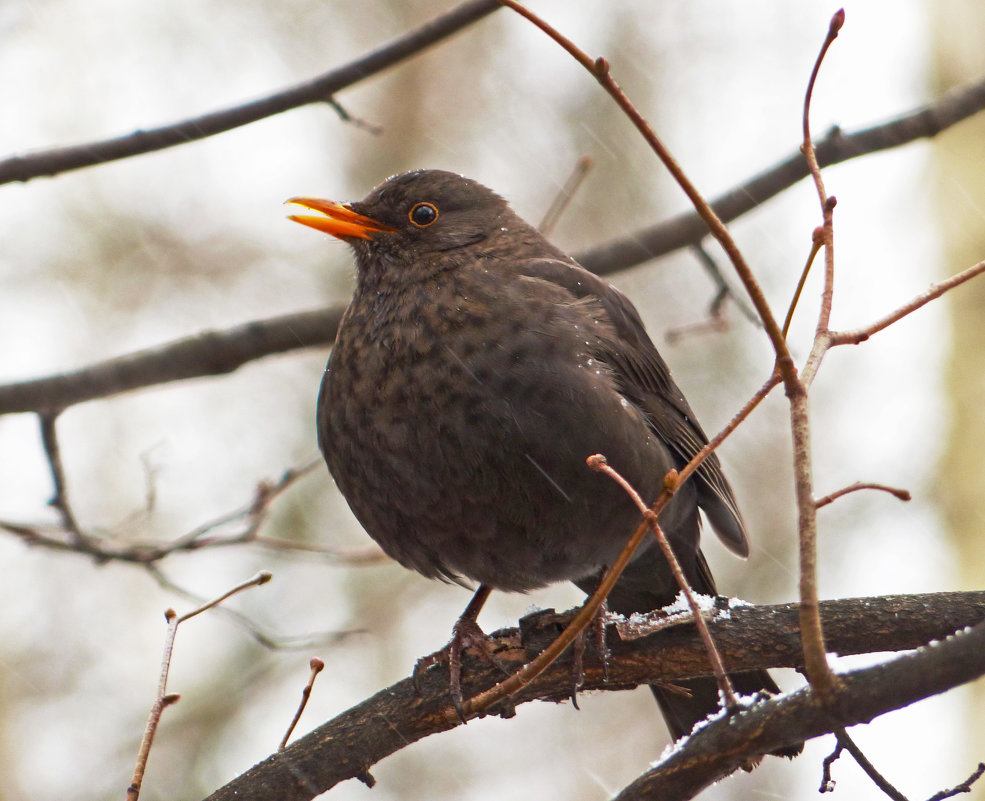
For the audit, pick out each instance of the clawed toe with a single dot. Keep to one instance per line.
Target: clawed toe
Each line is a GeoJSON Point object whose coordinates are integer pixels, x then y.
{"type": "Point", "coordinates": [466, 633]}
{"type": "Point", "coordinates": [596, 631]}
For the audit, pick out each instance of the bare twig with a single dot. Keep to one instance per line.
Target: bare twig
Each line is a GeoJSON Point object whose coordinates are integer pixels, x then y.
{"type": "Point", "coordinates": [856, 337]}
{"type": "Point", "coordinates": [316, 667]}
{"type": "Point", "coordinates": [59, 499]}
{"type": "Point", "coordinates": [900, 494]}
{"type": "Point", "coordinates": [362, 124]}
{"type": "Point", "coordinates": [715, 320]}
{"type": "Point", "coordinates": [563, 198]}
{"type": "Point", "coordinates": [599, 463]}
{"type": "Point", "coordinates": [278, 642]}
{"type": "Point", "coordinates": [867, 767]}
{"type": "Point", "coordinates": [817, 242]}
{"type": "Point", "coordinates": [586, 614]}
{"type": "Point", "coordinates": [827, 783]}
{"type": "Point", "coordinates": [827, 202]}
{"type": "Point", "coordinates": [816, 666]}
{"type": "Point", "coordinates": [250, 517]}
{"type": "Point", "coordinates": [316, 90]}
{"type": "Point", "coordinates": [964, 787]}
{"type": "Point", "coordinates": [164, 699]}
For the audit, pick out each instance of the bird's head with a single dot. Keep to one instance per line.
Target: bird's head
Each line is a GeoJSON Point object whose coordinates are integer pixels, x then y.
{"type": "Point", "coordinates": [412, 215]}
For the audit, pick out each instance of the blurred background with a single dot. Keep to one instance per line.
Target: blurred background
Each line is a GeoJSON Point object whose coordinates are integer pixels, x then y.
{"type": "Point", "coordinates": [104, 261]}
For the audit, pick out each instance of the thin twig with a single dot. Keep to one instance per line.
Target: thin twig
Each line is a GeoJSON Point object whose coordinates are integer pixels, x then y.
{"type": "Point", "coordinates": [901, 494]}
{"type": "Point", "coordinates": [816, 666]}
{"type": "Point", "coordinates": [59, 499]}
{"type": "Point", "coordinates": [316, 667]}
{"type": "Point", "coordinates": [252, 516]}
{"type": "Point", "coordinates": [563, 198]}
{"type": "Point", "coordinates": [715, 321]}
{"type": "Point", "coordinates": [817, 242]}
{"type": "Point", "coordinates": [878, 779]}
{"type": "Point", "coordinates": [586, 614]}
{"type": "Point", "coordinates": [758, 397]}
{"type": "Point", "coordinates": [362, 124]}
{"type": "Point", "coordinates": [827, 202]}
{"type": "Point", "coordinates": [599, 69]}
{"type": "Point", "coordinates": [827, 783]}
{"type": "Point", "coordinates": [964, 787]}
{"type": "Point", "coordinates": [860, 335]}
{"type": "Point", "coordinates": [598, 462]}
{"type": "Point", "coordinates": [163, 699]}
{"type": "Point", "coordinates": [298, 642]}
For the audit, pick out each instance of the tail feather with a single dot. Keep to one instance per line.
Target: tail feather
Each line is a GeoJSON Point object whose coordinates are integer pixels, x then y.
{"type": "Point", "coordinates": [683, 710]}
{"type": "Point", "coordinates": [696, 698]}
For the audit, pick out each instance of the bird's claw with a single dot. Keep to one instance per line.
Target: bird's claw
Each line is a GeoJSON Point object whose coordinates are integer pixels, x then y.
{"type": "Point", "coordinates": [466, 633]}
{"type": "Point", "coordinates": [596, 631]}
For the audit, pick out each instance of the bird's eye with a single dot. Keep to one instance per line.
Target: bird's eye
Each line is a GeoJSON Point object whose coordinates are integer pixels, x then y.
{"type": "Point", "coordinates": [423, 214]}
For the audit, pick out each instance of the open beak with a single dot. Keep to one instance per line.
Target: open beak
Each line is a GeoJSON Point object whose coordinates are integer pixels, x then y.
{"type": "Point", "coordinates": [339, 220]}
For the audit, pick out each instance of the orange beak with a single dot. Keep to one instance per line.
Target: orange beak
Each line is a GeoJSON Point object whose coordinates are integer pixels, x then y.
{"type": "Point", "coordinates": [339, 220]}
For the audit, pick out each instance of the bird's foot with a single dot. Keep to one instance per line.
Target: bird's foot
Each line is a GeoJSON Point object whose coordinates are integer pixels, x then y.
{"type": "Point", "coordinates": [596, 632]}
{"type": "Point", "coordinates": [466, 633]}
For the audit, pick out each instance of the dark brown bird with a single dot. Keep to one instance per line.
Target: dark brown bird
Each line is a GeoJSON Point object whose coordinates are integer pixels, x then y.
{"type": "Point", "coordinates": [475, 369]}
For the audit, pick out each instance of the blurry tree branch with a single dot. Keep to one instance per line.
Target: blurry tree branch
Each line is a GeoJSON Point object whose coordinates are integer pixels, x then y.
{"type": "Point", "coordinates": [219, 352]}
{"type": "Point", "coordinates": [954, 106]}
{"type": "Point", "coordinates": [204, 354]}
{"type": "Point", "coordinates": [747, 636]}
{"type": "Point", "coordinates": [316, 90]}
{"type": "Point", "coordinates": [237, 527]}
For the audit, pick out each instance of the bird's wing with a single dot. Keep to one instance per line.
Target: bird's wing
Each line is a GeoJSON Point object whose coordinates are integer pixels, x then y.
{"type": "Point", "coordinates": [646, 380]}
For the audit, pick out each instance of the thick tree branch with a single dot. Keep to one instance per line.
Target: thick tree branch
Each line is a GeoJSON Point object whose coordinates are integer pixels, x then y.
{"type": "Point", "coordinates": [63, 159]}
{"type": "Point", "coordinates": [725, 745]}
{"type": "Point", "coordinates": [396, 717]}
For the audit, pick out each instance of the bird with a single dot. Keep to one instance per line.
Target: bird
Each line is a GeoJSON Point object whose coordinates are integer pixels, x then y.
{"type": "Point", "coordinates": [475, 369]}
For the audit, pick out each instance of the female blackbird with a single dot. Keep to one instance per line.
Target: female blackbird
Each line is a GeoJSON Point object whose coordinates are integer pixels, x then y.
{"type": "Point", "coordinates": [475, 369]}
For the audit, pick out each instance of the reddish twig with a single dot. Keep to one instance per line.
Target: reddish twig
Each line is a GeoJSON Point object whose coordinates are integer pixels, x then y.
{"type": "Point", "coordinates": [164, 699]}
{"type": "Point", "coordinates": [316, 667]}
{"type": "Point", "coordinates": [855, 337]}
{"type": "Point", "coordinates": [901, 494]}
{"type": "Point", "coordinates": [586, 614]}
{"type": "Point", "coordinates": [817, 242]}
{"type": "Point", "coordinates": [827, 202]}
{"type": "Point", "coordinates": [598, 462]}
{"type": "Point", "coordinates": [816, 666]}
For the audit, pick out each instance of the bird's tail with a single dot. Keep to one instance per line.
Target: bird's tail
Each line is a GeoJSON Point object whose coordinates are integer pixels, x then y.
{"type": "Point", "coordinates": [689, 700]}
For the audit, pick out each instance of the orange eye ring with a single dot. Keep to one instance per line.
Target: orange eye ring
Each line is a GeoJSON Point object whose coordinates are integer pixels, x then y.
{"type": "Point", "coordinates": [423, 214]}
